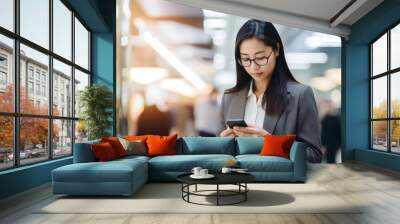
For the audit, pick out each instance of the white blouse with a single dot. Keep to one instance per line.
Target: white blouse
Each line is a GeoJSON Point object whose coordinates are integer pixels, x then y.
{"type": "Point", "coordinates": [254, 113]}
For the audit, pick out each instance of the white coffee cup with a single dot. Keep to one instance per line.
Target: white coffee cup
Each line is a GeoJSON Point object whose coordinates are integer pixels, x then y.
{"type": "Point", "coordinates": [196, 170]}
{"type": "Point", "coordinates": [203, 172]}
{"type": "Point", "coordinates": [226, 170]}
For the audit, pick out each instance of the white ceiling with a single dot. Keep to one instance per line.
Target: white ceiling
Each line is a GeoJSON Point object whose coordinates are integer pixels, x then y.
{"type": "Point", "coordinates": [314, 15]}
{"type": "Point", "coordinates": [320, 9]}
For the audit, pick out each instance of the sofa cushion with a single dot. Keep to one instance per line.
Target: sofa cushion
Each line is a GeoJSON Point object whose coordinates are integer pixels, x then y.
{"type": "Point", "coordinates": [206, 145]}
{"type": "Point", "coordinates": [134, 147]}
{"type": "Point", "coordinates": [161, 145]}
{"type": "Point", "coordinates": [132, 158]}
{"type": "Point", "coordinates": [111, 171]}
{"type": "Point", "coordinates": [83, 152]}
{"type": "Point", "coordinates": [116, 145]}
{"type": "Point", "coordinates": [185, 163]}
{"type": "Point", "coordinates": [257, 163]}
{"type": "Point", "coordinates": [103, 152]}
{"type": "Point", "coordinates": [249, 145]}
{"type": "Point", "coordinates": [136, 137]}
{"type": "Point", "coordinates": [277, 145]}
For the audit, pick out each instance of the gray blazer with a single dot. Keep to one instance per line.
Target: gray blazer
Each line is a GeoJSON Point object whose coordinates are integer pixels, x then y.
{"type": "Point", "coordinates": [300, 116]}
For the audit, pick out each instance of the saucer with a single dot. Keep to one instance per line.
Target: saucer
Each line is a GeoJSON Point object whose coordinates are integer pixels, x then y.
{"type": "Point", "coordinates": [208, 176]}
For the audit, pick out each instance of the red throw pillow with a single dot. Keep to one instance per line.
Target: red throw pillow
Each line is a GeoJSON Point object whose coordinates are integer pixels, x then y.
{"type": "Point", "coordinates": [277, 145]}
{"type": "Point", "coordinates": [161, 145]}
{"type": "Point", "coordinates": [116, 145]}
{"type": "Point", "coordinates": [103, 152]}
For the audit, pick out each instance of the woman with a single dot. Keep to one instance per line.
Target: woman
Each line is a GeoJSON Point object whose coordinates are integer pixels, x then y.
{"type": "Point", "coordinates": [266, 95]}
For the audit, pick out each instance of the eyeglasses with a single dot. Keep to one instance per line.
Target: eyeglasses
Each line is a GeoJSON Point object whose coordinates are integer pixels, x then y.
{"type": "Point", "coordinates": [260, 61]}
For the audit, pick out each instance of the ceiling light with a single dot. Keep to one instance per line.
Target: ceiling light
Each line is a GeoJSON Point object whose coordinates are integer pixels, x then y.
{"type": "Point", "coordinates": [323, 84]}
{"type": "Point", "coordinates": [334, 75]}
{"type": "Point", "coordinates": [169, 56]}
{"type": "Point", "coordinates": [147, 75]}
{"type": "Point", "coordinates": [322, 40]}
{"type": "Point", "coordinates": [307, 57]}
{"type": "Point", "coordinates": [179, 86]}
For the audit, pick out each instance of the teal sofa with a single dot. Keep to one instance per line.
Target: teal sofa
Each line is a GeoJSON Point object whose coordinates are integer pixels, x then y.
{"type": "Point", "coordinates": [125, 176]}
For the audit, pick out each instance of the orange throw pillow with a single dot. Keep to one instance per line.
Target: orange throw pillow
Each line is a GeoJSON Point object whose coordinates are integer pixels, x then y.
{"type": "Point", "coordinates": [103, 152]}
{"type": "Point", "coordinates": [136, 137]}
{"type": "Point", "coordinates": [116, 145]}
{"type": "Point", "coordinates": [161, 145]}
{"type": "Point", "coordinates": [277, 145]}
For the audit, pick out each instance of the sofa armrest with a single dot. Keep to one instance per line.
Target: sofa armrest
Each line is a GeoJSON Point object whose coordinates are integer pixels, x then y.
{"type": "Point", "coordinates": [299, 158]}
{"type": "Point", "coordinates": [83, 152]}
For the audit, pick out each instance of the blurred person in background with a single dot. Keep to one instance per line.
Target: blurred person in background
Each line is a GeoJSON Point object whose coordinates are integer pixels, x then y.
{"type": "Point", "coordinates": [206, 114]}
{"type": "Point", "coordinates": [183, 120]}
{"type": "Point", "coordinates": [331, 134]}
{"type": "Point", "coordinates": [266, 95]}
{"type": "Point", "coordinates": [155, 120]}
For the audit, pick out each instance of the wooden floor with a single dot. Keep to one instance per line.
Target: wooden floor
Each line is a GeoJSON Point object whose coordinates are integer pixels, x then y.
{"type": "Point", "coordinates": [378, 188]}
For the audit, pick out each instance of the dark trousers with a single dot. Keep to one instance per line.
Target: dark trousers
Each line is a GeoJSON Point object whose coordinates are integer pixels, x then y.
{"type": "Point", "coordinates": [331, 154]}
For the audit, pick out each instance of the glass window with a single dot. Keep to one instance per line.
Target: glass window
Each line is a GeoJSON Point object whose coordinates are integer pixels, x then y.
{"type": "Point", "coordinates": [6, 142]}
{"type": "Point", "coordinates": [395, 95]}
{"type": "Point", "coordinates": [30, 87]}
{"type": "Point", "coordinates": [37, 75]}
{"type": "Point", "coordinates": [379, 135]}
{"type": "Point", "coordinates": [3, 61]}
{"type": "Point", "coordinates": [379, 56]}
{"type": "Point", "coordinates": [34, 80]}
{"type": "Point", "coordinates": [62, 72]}
{"type": "Point", "coordinates": [3, 78]}
{"type": "Point", "coordinates": [395, 47]}
{"type": "Point", "coordinates": [382, 119]}
{"type": "Point", "coordinates": [81, 81]}
{"type": "Point", "coordinates": [30, 72]}
{"type": "Point", "coordinates": [43, 90]}
{"type": "Point", "coordinates": [62, 29]}
{"type": "Point", "coordinates": [40, 62]}
{"type": "Point", "coordinates": [81, 45]}
{"type": "Point", "coordinates": [7, 14]}
{"type": "Point", "coordinates": [37, 89]}
{"type": "Point", "coordinates": [35, 21]}
{"type": "Point", "coordinates": [62, 137]}
{"type": "Point", "coordinates": [395, 136]}
{"type": "Point", "coordinates": [81, 131]}
{"type": "Point", "coordinates": [379, 98]}
{"type": "Point", "coordinates": [6, 73]}
{"type": "Point", "coordinates": [33, 140]}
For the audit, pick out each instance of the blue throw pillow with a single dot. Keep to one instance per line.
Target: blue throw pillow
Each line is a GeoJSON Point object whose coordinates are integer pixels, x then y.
{"type": "Point", "coordinates": [249, 145]}
{"type": "Point", "coordinates": [207, 145]}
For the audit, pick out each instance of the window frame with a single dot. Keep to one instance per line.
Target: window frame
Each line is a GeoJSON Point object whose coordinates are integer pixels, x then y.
{"type": "Point", "coordinates": [16, 114]}
{"type": "Point", "coordinates": [388, 74]}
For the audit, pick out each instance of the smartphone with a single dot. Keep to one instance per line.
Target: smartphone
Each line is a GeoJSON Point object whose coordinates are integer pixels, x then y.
{"type": "Point", "coordinates": [236, 122]}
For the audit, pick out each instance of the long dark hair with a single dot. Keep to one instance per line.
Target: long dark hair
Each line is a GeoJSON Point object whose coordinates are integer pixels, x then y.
{"type": "Point", "coordinates": [274, 99]}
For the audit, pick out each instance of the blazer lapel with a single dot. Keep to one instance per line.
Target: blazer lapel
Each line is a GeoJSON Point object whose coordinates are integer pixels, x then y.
{"type": "Point", "coordinates": [270, 121]}
{"type": "Point", "coordinates": [239, 105]}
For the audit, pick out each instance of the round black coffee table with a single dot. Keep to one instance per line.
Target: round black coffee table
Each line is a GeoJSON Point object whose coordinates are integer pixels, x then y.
{"type": "Point", "coordinates": [238, 179]}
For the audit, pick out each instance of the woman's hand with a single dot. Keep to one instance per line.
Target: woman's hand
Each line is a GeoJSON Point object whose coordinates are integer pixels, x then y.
{"type": "Point", "coordinates": [250, 130]}
{"type": "Point", "coordinates": [228, 132]}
